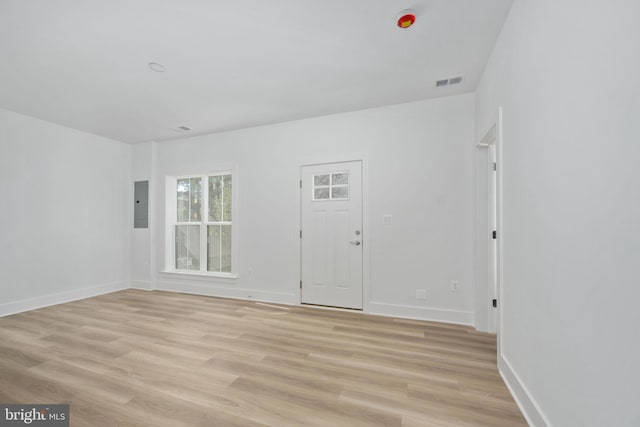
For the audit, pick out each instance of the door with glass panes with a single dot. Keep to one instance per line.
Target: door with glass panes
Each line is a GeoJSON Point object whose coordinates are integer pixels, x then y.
{"type": "Point", "coordinates": [331, 234]}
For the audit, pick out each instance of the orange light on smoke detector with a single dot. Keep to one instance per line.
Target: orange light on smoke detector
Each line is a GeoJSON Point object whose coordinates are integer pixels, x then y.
{"type": "Point", "coordinates": [406, 19]}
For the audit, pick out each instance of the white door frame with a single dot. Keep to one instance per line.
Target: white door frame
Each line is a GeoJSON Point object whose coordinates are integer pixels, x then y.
{"type": "Point", "coordinates": [499, 228]}
{"type": "Point", "coordinates": [319, 160]}
{"type": "Point", "coordinates": [493, 242]}
{"type": "Point", "coordinates": [492, 140]}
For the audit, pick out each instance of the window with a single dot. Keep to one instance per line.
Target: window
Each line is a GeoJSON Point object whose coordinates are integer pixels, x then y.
{"type": "Point", "coordinates": [203, 223]}
{"type": "Point", "coordinates": [331, 186]}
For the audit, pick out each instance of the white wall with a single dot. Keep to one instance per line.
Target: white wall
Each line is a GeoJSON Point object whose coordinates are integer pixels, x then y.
{"type": "Point", "coordinates": [419, 168]}
{"type": "Point", "coordinates": [568, 76]}
{"type": "Point", "coordinates": [65, 213]}
{"type": "Point", "coordinates": [143, 239]}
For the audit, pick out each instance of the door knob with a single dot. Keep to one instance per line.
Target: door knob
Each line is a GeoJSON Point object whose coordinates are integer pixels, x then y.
{"type": "Point", "coordinates": [357, 243]}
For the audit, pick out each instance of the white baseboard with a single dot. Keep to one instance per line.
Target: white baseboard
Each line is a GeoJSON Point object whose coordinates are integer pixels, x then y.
{"type": "Point", "coordinates": [20, 306]}
{"type": "Point", "coordinates": [227, 292]}
{"type": "Point", "coordinates": [144, 285]}
{"type": "Point", "coordinates": [527, 404]}
{"type": "Point", "coordinates": [422, 313]}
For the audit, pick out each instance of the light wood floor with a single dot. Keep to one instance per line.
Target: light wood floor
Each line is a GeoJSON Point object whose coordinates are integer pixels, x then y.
{"type": "Point", "coordinates": [136, 358]}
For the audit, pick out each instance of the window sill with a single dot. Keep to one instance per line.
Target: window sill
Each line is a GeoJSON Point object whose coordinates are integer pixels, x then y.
{"type": "Point", "coordinates": [201, 274]}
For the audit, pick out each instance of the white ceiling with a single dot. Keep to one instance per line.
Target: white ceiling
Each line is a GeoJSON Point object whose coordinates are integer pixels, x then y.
{"type": "Point", "coordinates": [231, 64]}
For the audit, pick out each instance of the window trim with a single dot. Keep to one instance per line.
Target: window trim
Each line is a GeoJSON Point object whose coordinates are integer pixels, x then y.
{"type": "Point", "coordinates": [171, 222]}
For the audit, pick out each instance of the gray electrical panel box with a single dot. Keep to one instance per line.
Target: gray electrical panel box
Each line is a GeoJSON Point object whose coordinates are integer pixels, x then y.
{"type": "Point", "coordinates": [141, 204]}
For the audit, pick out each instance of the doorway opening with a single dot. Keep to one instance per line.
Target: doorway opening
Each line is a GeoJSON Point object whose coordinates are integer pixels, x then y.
{"type": "Point", "coordinates": [489, 230]}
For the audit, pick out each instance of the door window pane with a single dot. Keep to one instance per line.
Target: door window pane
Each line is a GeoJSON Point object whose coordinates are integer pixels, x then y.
{"type": "Point", "coordinates": [340, 192]}
{"type": "Point", "coordinates": [321, 193]}
{"type": "Point", "coordinates": [340, 178]}
{"type": "Point", "coordinates": [321, 180]}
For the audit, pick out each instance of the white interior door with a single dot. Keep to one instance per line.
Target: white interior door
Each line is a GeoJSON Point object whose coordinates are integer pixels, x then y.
{"type": "Point", "coordinates": [331, 235]}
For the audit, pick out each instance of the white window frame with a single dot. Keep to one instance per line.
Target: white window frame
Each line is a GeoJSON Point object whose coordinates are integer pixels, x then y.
{"type": "Point", "coordinates": [171, 223]}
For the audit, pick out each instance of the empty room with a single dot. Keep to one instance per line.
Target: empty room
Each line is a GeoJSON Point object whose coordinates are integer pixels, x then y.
{"type": "Point", "coordinates": [320, 213]}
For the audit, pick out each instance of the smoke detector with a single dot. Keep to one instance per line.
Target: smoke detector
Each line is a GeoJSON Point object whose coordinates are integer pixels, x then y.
{"type": "Point", "coordinates": [406, 18]}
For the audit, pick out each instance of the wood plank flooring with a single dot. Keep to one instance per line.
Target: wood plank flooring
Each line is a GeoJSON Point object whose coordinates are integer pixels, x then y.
{"type": "Point", "coordinates": [136, 358]}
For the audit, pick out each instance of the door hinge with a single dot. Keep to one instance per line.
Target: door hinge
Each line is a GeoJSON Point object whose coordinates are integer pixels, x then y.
{"type": "Point", "coordinates": [493, 302]}
{"type": "Point", "coordinates": [301, 234]}
{"type": "Point", "coordinates": [300, 284]}
{"type": "Point", "coordinates": [494, 234]}
{"type": "Point", "coordinates": [300, 183]}
{"type": "Point", "coordinates": [495, 166]}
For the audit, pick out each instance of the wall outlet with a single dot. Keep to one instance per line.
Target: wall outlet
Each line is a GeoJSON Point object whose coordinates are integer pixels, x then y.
{"type": "Point", "coordinates": [421, 294]}
{"type": "Point", "coordinates": [250, 271]}
{"type": "Point", "coordinates": [455, 284]}
{"type": "Point", "coordinates": [387, 219]}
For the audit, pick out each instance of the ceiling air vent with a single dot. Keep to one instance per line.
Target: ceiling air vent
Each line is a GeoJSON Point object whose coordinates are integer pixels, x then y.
{"type": "Point", "coordinates": [449, 81]}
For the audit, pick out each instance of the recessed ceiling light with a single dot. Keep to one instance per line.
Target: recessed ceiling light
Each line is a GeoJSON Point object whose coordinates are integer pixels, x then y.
{"type": "Point", "coordinates": [158, 68]}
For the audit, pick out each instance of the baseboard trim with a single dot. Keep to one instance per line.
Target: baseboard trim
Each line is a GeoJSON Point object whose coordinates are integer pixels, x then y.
{"type": "Point", "coordinates": [422, 313]}
{"type": "Point", "coordinates": [143, 285]}
{"type": "Point", "coordinates": [28, 304]}
{"type": "Point", "coordinates": [527, 404]}
{"type": "Point", "coordinates": [228, 292]}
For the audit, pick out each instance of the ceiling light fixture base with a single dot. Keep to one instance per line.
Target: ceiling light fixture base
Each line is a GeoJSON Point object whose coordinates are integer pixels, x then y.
{"type": "Point", "coordinates": [158, 68]}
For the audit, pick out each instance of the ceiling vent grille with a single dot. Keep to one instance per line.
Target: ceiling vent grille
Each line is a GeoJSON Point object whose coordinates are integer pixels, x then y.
{"type": "Point", "coordinates": [449, 81]}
